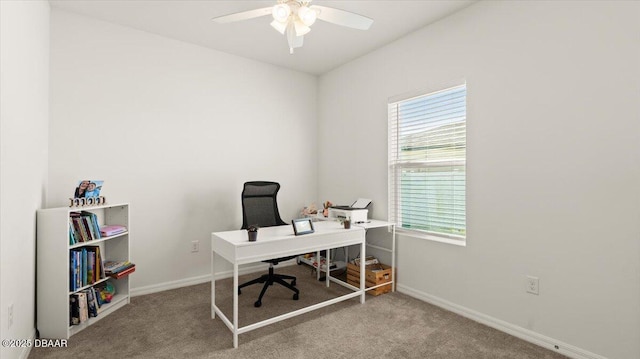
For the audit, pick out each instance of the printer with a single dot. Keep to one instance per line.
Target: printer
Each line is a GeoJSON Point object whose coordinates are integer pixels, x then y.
{"type": "Point", "coordinates": [357, 212]}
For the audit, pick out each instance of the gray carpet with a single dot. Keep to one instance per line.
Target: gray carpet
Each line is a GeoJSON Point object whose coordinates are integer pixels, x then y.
{"type": "Point", "coordinates": [177, 324]}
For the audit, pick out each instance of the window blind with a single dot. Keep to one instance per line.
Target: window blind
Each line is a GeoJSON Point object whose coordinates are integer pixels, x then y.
{"type": "Point", "coordinates": [427, 158]}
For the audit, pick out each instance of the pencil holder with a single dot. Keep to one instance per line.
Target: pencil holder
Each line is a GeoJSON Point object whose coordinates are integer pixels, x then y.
{"type": "Point", "coordinates": [252, 231]}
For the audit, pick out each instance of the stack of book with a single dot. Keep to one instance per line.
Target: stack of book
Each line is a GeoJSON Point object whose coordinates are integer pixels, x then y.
{"type": "Point", "coordinates": [118, 269]}
{"type": "Point", "coordinates": [87, 303]}
{"type": "Point", "coordinates": [85, 267]}
{"type": "Point", "coordinates": [82, 306]}
{"type": "Point", "coordinates": [83, 227]}
{"type": "Point", "coordinates": [112, 230]}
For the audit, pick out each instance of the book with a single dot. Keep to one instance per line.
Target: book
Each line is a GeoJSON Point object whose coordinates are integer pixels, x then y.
{"type": "Point", "coordinates": [81, 226]}
{"type": "Point", "coordinates": [99, 266]}
{"type": "Point", "coordinates": [83, 267]}
{"type": "Point", "coordinates": [87, 227]}
{"type": "Point", "coordinates": [119, 270]}
{"type": "Point", "coordinates": [112, 230]}
{"type": "Point", "coordinates": [93, 222]}
{"type": "Point", "coordinates": [114, 266]}
{"type": "Point", "coordinates": [95, 271]}
{"type": "Point", "coordinates": [82, 305]}
{"type": "Point", "coordinates": [91, 264]}
{"type": "Point", "coordinates": [76, 227]}
{"type": "Point", "coordinates": [72, 272]}
{"type": "Point", "coordinates": [123, 273]}
{"type": "Point", "coordinates": [96, 299]}
{"type": "Point", "coordinates": [72, 237]}
{"type": "Point", "coordinates": [74, 310]}
{"type": "Point", "coordinates": [92, 308]}
{"type": "Point", "coordinates": [75, 269]}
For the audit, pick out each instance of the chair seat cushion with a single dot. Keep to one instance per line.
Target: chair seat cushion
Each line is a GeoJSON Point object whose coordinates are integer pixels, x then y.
{"type": "Point", "coordinates": [275, 261]}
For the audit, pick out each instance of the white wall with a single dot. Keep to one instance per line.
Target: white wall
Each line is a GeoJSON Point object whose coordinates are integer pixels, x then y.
{"type": "Point", "coordinates": [175, 130]}
{"type": "Point", "coordinates": [24, 111]}
{"type": "Point", "coordinates": [553, 169]}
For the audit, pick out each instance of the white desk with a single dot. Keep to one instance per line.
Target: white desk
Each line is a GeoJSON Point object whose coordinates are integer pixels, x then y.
{"type": "Point", "coordinates": [275, 242]}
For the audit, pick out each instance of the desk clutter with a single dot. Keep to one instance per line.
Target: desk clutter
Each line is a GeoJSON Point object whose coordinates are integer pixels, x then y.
{"type": "Point", "coordinates": [357, 212]}
{"type": "Point", "coordinates": [375, 274]}
{"type": "Point", "coordinates": [310, 259]}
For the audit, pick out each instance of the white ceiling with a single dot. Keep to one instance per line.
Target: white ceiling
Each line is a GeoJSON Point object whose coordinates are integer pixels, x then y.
{"type": "Point", "coordinates": [326, 47]}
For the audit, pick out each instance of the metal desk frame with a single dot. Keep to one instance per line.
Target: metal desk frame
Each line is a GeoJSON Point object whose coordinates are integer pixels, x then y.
{"type": "Point", "coordinates": [279, 241]}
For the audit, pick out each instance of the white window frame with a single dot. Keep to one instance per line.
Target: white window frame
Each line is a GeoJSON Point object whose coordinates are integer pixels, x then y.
{"type": "Point", "coordinates": [399, 161]}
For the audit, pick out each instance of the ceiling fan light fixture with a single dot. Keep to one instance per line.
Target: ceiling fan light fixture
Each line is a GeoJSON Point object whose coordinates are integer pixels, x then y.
{"type": "Point", "coordinates": [281, 27]}
{"type": "Point", "coordinates": [307, 16]}
{"type": "Point", "coordinates": [293, 39]}
{"type": "Point", "coordinates": [281, 12]}
{"type": "Point", "coordinates": [293, 18]}
{"type": "Point", "coordinates": [301, 29]}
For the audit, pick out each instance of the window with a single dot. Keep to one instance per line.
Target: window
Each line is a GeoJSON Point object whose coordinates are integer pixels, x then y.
{"type": "Point", "coordinates": [427, 158]}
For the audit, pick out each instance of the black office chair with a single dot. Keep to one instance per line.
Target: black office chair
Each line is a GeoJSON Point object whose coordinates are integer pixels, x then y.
{"type": "Point", "coordinates": [260, 208]}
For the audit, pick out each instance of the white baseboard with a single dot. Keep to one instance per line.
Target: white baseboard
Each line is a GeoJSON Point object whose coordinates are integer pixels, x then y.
{"type": "Point", "coordinates": [519, 332]}
{"type": "Point", "coordinates": [24, 353]}
{"type": "Point", "coordinates": [155, 288]}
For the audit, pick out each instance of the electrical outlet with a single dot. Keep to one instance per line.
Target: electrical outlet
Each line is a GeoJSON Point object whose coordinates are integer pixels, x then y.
{"type": "Point", "coordinates": [10, 315]}
{"type": "Point", "coordinates": [533, 285]}
{"type": "Point", "coordinates": [195, 246]}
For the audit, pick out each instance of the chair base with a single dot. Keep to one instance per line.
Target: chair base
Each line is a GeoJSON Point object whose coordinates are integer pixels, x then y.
{"type": "Point", "coordinates": [270, 279]}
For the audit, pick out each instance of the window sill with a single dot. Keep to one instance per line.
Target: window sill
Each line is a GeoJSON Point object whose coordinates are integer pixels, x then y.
{"type": "Point", "coordinates": [431, 237]}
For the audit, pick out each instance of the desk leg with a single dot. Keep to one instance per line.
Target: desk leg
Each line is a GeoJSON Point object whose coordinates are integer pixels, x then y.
{"type": "Point", "coordinates": [363, 256]}
{"type": "Point", "coordinates": [318, 267]}
{"type": "Point", "coordinates": [327, 263]}
{"type": "Point", "coordinates": [213, 284]}
{"type": "Point", "coordinates": [393, 258]}
{"type": "Point", "coordinates": [235, 305]}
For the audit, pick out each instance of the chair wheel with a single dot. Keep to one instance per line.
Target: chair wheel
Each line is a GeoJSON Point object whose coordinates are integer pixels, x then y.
{"type": "Point", "coordinates": [293, 282]}
{"type": "Point", "coordinates": [295, 296]}
{"type": "Point", "coordinates": [257, 304]}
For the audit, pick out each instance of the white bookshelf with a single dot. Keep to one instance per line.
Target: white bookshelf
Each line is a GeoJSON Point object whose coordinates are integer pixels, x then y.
{"type": "Point", "coordinates": [53, 267]}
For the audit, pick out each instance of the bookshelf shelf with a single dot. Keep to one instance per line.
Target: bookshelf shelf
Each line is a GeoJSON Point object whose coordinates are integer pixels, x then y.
{"type": "Point", "coordinates": [118, 301]}
{"type": "Point", "coordinates": [53, 273]}
{"type": "Point", "coordinates": [89, 286]}
{"type": "Point", "coordinates": [96, 241]}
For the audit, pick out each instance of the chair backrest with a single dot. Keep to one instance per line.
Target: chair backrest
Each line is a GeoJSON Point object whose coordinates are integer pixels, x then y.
{"type": "Point", "coordinates": [259, 205]}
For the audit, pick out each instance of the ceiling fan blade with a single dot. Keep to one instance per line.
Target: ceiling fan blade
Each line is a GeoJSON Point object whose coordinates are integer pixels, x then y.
{"type": "Point", "coordinates": [341, 17]}
{"type": "Point", "coordinates": [245, 15]}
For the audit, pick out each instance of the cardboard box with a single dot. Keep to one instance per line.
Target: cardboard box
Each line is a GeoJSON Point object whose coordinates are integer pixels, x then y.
{"type": "Point", "coordinates": [374, 274]}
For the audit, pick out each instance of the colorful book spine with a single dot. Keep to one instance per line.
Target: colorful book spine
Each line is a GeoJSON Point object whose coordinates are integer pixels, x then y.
{"type": "Point", "coordinates": [86, 220]}
{"type": "Point", "coordinates": [72, 237]}
{"type": "Point", "coordinates": [77, 230]}
{"type": "Point", "coordinates": [83, 267]}
{"type": "Point", "coordinates": [92, 221]}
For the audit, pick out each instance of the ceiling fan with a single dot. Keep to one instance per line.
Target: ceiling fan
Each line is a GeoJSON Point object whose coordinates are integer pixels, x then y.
{"type": "Point", "coordinates": [293, 18]}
